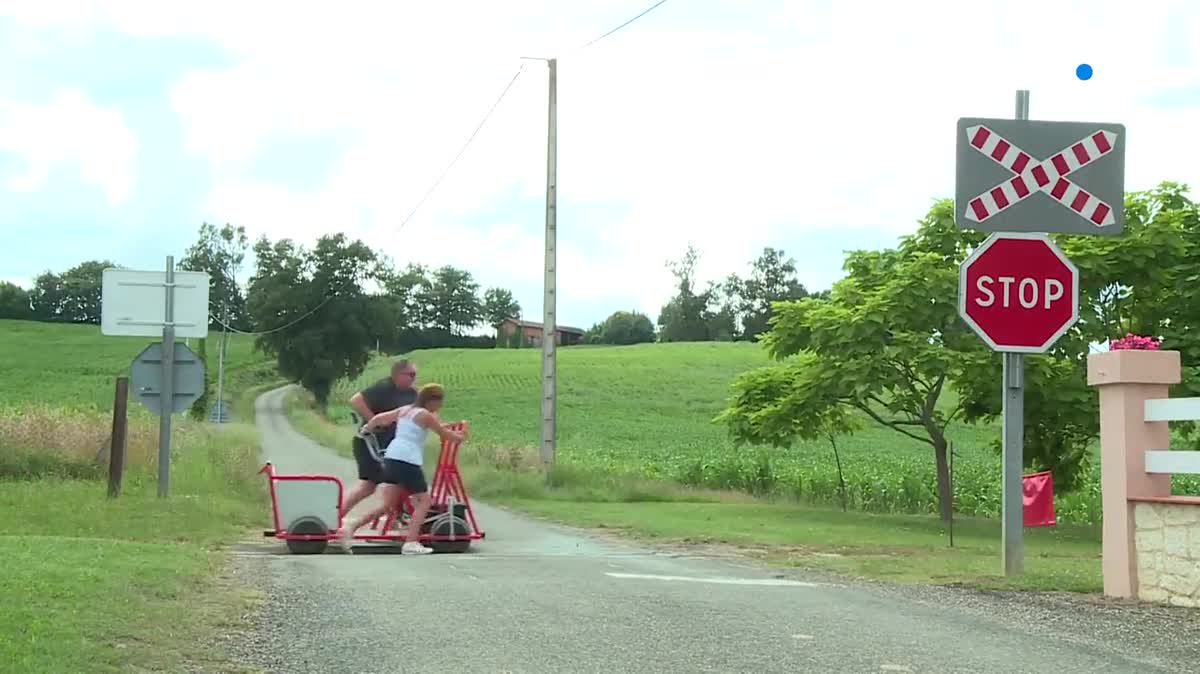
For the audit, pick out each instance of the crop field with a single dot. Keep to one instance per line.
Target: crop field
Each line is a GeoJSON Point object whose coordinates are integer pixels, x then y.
{"type": "Point", "coordinates": [646, 411]}
{"type": "Point", "coordinates": [74, 366]}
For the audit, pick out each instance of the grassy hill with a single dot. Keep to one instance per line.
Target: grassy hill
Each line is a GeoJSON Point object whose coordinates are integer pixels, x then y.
{"type": "Point", "coordinates": [73, 366]}
{"type": "Point", "coordinates": [646, 412]}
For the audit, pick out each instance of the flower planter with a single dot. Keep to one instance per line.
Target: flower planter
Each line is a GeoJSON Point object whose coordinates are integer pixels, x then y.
{"type": "Point", "coordinates": [1132, 366]}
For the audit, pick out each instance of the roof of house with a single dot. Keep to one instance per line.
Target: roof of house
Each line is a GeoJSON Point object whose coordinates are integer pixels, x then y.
{"type": "Point", "coordinates": [530, 324]}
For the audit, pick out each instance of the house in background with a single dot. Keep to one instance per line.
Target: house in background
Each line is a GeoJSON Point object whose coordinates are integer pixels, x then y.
{"type": "Point", "coordinates": [515, 333]}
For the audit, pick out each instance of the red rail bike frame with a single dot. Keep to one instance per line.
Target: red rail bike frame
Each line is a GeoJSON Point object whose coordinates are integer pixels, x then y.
{"type": "Point", "coordinates": [447, 489]}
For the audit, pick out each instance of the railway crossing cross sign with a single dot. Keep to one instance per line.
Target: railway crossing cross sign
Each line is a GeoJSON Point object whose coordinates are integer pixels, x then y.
{"type": "Point", "coordinates": [1037, 176]}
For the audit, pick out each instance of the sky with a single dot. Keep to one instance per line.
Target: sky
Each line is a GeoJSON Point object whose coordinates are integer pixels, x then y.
{"type": "Point", "coordinates": [811, 126]}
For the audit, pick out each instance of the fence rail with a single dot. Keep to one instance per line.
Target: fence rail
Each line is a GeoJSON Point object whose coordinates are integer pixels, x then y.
{"type": "Point", "coordinates": [1173, 409]}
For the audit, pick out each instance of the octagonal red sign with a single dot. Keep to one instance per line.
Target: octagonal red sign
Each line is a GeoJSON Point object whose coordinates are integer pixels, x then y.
{"type": "Point", "coordinates": [1019, 292]}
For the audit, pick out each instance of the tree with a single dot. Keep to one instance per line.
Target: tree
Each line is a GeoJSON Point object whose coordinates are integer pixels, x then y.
{"type": "Point", "coordinates": [409, 289]}
{"type": "Point", "coordinates": [1139, 282]}
{"type": "Point", "coordinates": [885, 345]}
{"type": "Point", "coordinates": [14, 302]}
{"type": "Point", "coordinates": [220, 253]}
{"type": "Point", "coordinates": [498, 305]}
{"type": "Point", "coordinates": [82, 288]}
{"type": "Point", "coordinates": [687, 317]}
{"type": "Point", "coordinates": [47, 297]}
{"type": "Point", "coordinates": [318, 295]}
{"type": "Point", "coordinates": [626, 327]}
{"type": "Point", "coordinates": [452, 300]}
{"type": "Point", "coordinates": [772, 279]}
{"type": "Point", "coordinates": [1134, 283]}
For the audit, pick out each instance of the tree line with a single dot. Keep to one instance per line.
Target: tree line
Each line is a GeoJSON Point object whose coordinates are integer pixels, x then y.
{"type": "Point", "coordinates": [318, 310]}
{"type": "Point", "coordinates": [887, 346]}
{"type": "Point", "coordinates": [735, 309]}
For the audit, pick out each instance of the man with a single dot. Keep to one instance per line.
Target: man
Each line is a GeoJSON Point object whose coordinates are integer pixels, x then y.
{"type": "Point", "coordinates": [382, 396]}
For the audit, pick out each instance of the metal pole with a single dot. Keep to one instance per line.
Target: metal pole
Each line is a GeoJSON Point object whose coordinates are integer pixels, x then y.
{"type": "Point", "coordinates": [167, 396]}
{"type": "Point", "coordinates": [1013, 504]}
{"type": "Point", "coordinates": [221, 365]}
{"type": "Point", "coordinates": [549, 323]}
{"type": "Point", "coordinates": [952, 494]}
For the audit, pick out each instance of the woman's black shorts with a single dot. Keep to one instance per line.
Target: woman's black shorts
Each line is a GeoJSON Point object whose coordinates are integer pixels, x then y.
{"type": "Point", "coordinates": [406, 475]}
{"type": "Point", "coordinates": [368, 468]}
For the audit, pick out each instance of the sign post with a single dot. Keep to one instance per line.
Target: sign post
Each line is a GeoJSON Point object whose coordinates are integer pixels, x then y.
{"type": "Point", "coordinates": [1019, 293]}
{"type": "Point", "coordinates": [147, 304]}
{"type": "Point", "coordinates": [1012, 537]}
{"type": "Point", "coordinates": [168, 379]}
{"type": "Point", "coordinates": [1017, 290]}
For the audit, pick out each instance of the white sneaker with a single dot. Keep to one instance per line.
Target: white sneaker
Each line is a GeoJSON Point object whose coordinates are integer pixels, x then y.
{"type": "Point", "coordinates": [345, 539]}
{"type": "Point", "coordinates": [414, 548]}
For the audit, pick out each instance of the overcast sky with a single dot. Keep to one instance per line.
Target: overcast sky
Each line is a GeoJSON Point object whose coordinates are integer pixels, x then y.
{"type": "Point", "coordinates": [811, 126]}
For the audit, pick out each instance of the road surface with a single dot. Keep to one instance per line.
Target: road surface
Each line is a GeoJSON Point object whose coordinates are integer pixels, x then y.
{"type": "Point", "coordinates": [541, 598]}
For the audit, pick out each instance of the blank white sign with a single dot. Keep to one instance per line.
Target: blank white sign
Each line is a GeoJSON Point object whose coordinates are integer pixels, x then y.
{"type": "Point", "coordinates": [133, 303]}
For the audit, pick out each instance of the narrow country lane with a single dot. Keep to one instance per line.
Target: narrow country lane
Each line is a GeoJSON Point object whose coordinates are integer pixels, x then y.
{"type": "Point", "coordinates": [540, 598]}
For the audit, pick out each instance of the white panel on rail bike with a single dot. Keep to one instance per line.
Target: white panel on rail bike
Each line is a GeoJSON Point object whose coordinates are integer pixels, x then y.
{"type": "Point", "coordinates": [307, 498]}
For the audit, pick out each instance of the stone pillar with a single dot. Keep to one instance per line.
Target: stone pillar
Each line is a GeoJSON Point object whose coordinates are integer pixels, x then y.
{"type": "Point", "coordinates": [1126, 380]}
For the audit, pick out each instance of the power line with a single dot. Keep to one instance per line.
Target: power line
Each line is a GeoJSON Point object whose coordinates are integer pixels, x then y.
{"type": "Point", "coordinates": [441, 177]}
{"type": "Point", "coordinates": [404, 222]}
{"type": "Point", "coordinates": [464, 147]}
{"type": "Point", "coordinates": [644, 13]}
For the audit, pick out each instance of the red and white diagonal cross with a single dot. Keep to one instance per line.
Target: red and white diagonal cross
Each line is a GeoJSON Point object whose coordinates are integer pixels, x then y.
{"type": "Point", "coordinates": [1048, 176]}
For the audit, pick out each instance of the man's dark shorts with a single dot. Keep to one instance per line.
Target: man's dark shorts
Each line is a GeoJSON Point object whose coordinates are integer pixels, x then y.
{"type": "Point", "coordinates": [368, 468]}
{"type": "Point", "coordinates": [406, 475]}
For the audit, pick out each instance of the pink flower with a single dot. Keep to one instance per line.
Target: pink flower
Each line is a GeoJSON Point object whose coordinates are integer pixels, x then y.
{"type": "Point", "coordinates": [1132, 342]}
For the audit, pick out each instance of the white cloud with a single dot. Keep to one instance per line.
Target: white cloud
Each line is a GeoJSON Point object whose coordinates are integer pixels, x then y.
{"type": "Point", "coordinates": [730, 125]}
{"type": "Point", "coordinates": [70, 129]}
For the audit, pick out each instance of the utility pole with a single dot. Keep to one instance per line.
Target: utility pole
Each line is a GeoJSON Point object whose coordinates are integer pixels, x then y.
{"type": "Point", "coordinates": [549, 321]}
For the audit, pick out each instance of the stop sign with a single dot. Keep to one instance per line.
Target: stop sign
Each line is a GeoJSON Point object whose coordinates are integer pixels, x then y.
{"type": "Point", "coordinates": [1019, 292]}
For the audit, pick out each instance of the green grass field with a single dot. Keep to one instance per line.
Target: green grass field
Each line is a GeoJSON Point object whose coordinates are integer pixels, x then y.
{"type": "Point", "coordinates": [74, 366]}
{"type": "Point", "coordinates": [638, 455]}
{"type": "Point", "coordinates": [124, 584]}
{"type": "Point", "coordinates": [646, 412]}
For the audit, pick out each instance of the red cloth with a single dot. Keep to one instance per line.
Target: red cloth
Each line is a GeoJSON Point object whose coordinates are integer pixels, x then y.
{"type": "Point", "coordinates": [1039, 499]}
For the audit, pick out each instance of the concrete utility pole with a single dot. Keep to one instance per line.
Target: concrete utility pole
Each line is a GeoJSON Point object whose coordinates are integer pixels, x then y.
{"type": "Point", "coordinates": [549, 320]}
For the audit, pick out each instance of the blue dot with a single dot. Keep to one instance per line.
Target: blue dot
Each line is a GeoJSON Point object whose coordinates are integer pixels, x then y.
{"type": "Point", "coordinates": [1083, 72]}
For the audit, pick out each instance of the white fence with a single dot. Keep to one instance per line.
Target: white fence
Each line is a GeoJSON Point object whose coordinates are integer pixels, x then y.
{"type": "Point", "coordinates": [1167, 460]}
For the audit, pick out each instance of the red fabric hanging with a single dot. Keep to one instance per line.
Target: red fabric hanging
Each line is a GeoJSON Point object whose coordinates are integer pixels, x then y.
{"type": "Point", "coordinates": [1039, 500]}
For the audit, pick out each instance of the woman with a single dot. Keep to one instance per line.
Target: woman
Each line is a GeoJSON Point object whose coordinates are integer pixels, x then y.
{"type": "Point", "coordinates": [402, 464]}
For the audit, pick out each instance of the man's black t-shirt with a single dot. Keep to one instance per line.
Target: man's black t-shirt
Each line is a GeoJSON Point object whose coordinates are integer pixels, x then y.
{"type": "Point", "coordinates": [383, 396]}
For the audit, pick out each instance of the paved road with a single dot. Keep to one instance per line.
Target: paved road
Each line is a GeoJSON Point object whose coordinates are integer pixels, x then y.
{"type": "Point", "coordinates": [539, 598]}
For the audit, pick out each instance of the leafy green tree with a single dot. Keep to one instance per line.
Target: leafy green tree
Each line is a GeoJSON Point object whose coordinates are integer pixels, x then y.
{"type": "Point", "coordinates": [885, 345]}
{"type": "Point", "coordinates": [626, 327]}
{"type": "Point", "coordinates": [498, 305]}
{"type": "Point", "coordinates": [901, 305]}
{"type": "Point", "coordinates": [687, 317]}
{"type": "Point", "coordinates": [318, 295]}
{"type": "Point", "coordinates": [452, 299]}
{"type": "Point", "coordinates": [220, 253]}
{"type": "Point", "coordinates": [1139, 282]}
{"type": "Point", "coordinates": [772, 279]}
{"type": "Point", "coordinates": [81, 288]}
{"type": "Point", "coordinates": [14, 302]}
{"type": "Point", "coordinates": [409, 288]}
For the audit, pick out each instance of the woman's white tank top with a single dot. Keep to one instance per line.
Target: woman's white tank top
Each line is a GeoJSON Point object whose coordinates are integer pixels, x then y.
{"type": "Point", "coordinates": [409, 444]}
